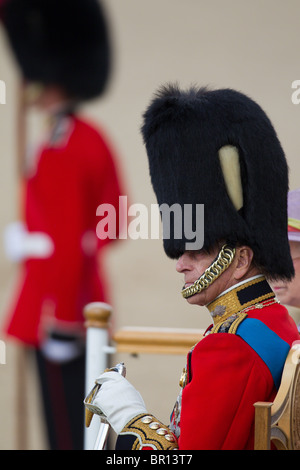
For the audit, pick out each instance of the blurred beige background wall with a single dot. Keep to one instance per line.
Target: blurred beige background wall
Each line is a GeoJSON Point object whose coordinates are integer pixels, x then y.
{"type": "Point", "coordinates": [251, 46]}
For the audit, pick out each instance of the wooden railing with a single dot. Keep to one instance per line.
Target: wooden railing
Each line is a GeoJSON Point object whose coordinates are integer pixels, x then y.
{"type": "Point", "coordinates": [138, 340]}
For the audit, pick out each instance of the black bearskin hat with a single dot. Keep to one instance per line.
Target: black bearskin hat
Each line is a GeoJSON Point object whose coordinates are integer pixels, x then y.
{"type": "Point", "coordinates": [60, 42]}
{"type": "Point", "coordinates": [186, 134]}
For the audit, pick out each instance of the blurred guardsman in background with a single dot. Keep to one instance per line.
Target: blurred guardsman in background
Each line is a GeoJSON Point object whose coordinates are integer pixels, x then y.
{"type": "Point", "coordinates": [63, 51]}
{"type": "Point", "coordinates": [289, 292]}
{"type": "Point", "coordinates": [217, 148]}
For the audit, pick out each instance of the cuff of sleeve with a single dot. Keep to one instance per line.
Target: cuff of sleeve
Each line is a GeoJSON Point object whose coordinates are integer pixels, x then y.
{"type": "Point", "coordinates": [145, 432]}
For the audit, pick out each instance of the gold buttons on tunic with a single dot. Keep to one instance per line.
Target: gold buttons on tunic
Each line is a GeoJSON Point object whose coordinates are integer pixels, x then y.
{"type": "Point", "coordinates": [183, 378]}
{"type": "Point", "coordinates": [162, 431]}
{"type": "Point", "coordinates": [154, 425]}
{"type": "Point", "coordinates": [147, 419]}
{"type": "Point", "coordinates": [170, 437]}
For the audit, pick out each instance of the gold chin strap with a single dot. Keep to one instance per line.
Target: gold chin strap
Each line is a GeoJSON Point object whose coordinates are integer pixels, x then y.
{"type": "Point", "coordinates": [223, 261]}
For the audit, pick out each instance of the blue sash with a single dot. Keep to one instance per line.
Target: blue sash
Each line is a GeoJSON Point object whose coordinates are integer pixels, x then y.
{"type": "Point", "coordinates": [269, 346]}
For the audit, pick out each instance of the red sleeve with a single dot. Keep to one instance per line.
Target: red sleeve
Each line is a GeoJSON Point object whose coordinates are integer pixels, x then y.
{"type": "Point", "coordinates": [226, 378]}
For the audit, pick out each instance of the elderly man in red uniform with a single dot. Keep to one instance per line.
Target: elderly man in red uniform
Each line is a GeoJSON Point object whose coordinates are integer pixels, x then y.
{"type": "Point", "coordinates": [217, 148]}
{"type": "Point", "coordinates": [63, 51]}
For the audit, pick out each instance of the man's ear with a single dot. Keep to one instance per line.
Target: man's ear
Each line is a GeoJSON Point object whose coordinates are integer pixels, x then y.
{"type": "Point", "coordinates": [244, 257]}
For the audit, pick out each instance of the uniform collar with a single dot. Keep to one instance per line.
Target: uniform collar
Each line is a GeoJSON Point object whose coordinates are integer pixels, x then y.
{"type": "Point", "coordinates": [245, 294]}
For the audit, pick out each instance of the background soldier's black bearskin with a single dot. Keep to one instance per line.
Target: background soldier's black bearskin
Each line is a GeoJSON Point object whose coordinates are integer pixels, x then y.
{"type": "Point", "coordinates": [60, 42]}
{"type": "Point", "coordinates": [183, 132]}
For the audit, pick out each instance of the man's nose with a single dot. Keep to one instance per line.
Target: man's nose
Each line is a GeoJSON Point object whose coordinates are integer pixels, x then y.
{"type": "Point", "coordinates": [182, 264]}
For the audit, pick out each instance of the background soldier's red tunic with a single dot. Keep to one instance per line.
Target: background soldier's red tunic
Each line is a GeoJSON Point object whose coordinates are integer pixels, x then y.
{"type": "Point", "coordinates": [73, 176]}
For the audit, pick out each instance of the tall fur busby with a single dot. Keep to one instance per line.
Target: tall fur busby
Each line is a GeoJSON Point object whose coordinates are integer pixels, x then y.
{"type": "Point", "coordinates": [60, 42]}
{"type": "Point", "coordinates": [188, 135]}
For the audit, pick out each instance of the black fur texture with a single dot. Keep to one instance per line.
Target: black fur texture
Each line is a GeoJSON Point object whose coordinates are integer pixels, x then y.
{"type": "Point", "coordinates": [183, 131]}
{"type": "Point", "coordinates": [60, 42]}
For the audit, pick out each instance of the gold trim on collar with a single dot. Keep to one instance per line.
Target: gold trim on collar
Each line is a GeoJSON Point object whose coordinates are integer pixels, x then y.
{"type": "Point", "coordinates": [228, 304]}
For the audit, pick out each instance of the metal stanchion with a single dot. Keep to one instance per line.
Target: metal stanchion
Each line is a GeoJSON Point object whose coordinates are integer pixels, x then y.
{"type": "Point", "coordinates": [97, 315]}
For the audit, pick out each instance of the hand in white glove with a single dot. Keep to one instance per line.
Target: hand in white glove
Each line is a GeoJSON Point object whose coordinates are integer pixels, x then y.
{"type": "Point", "coordinates": [118, 400]}
{"type": "Point", "coordinates": [20, 244]}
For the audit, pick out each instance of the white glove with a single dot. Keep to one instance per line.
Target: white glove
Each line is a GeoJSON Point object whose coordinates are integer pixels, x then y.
{"type": "Point", "coordinates": [20, 244]}
{"type": "Point", "coordinates": [118, 400]}
{"type": "Point", "coordinates": [59, 350]}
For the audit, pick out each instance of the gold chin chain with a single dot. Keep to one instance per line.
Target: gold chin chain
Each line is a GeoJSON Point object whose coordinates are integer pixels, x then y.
{"type": "Point", "coordinates": [223, 261]}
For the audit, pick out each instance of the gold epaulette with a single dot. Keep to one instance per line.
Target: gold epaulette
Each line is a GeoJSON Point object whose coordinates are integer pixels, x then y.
{"type": "Point", "coordinates": [230, 325]}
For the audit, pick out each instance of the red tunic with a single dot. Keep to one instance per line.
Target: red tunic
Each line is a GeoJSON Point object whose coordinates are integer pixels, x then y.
{"type": "Point", "coordinates": [75, 174]}
{"type": "Point", "coordinates": [227, 376]}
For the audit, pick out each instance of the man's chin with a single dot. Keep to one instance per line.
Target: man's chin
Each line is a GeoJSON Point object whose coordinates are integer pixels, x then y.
{"type": "Point", "coordinates": [197, 299]}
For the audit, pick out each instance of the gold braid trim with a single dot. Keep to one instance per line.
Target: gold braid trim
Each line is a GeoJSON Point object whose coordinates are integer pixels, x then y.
{"type": "Point", "coordinates": [150, 432]}
{"type": "Point", "coordinates": [233, 325]}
